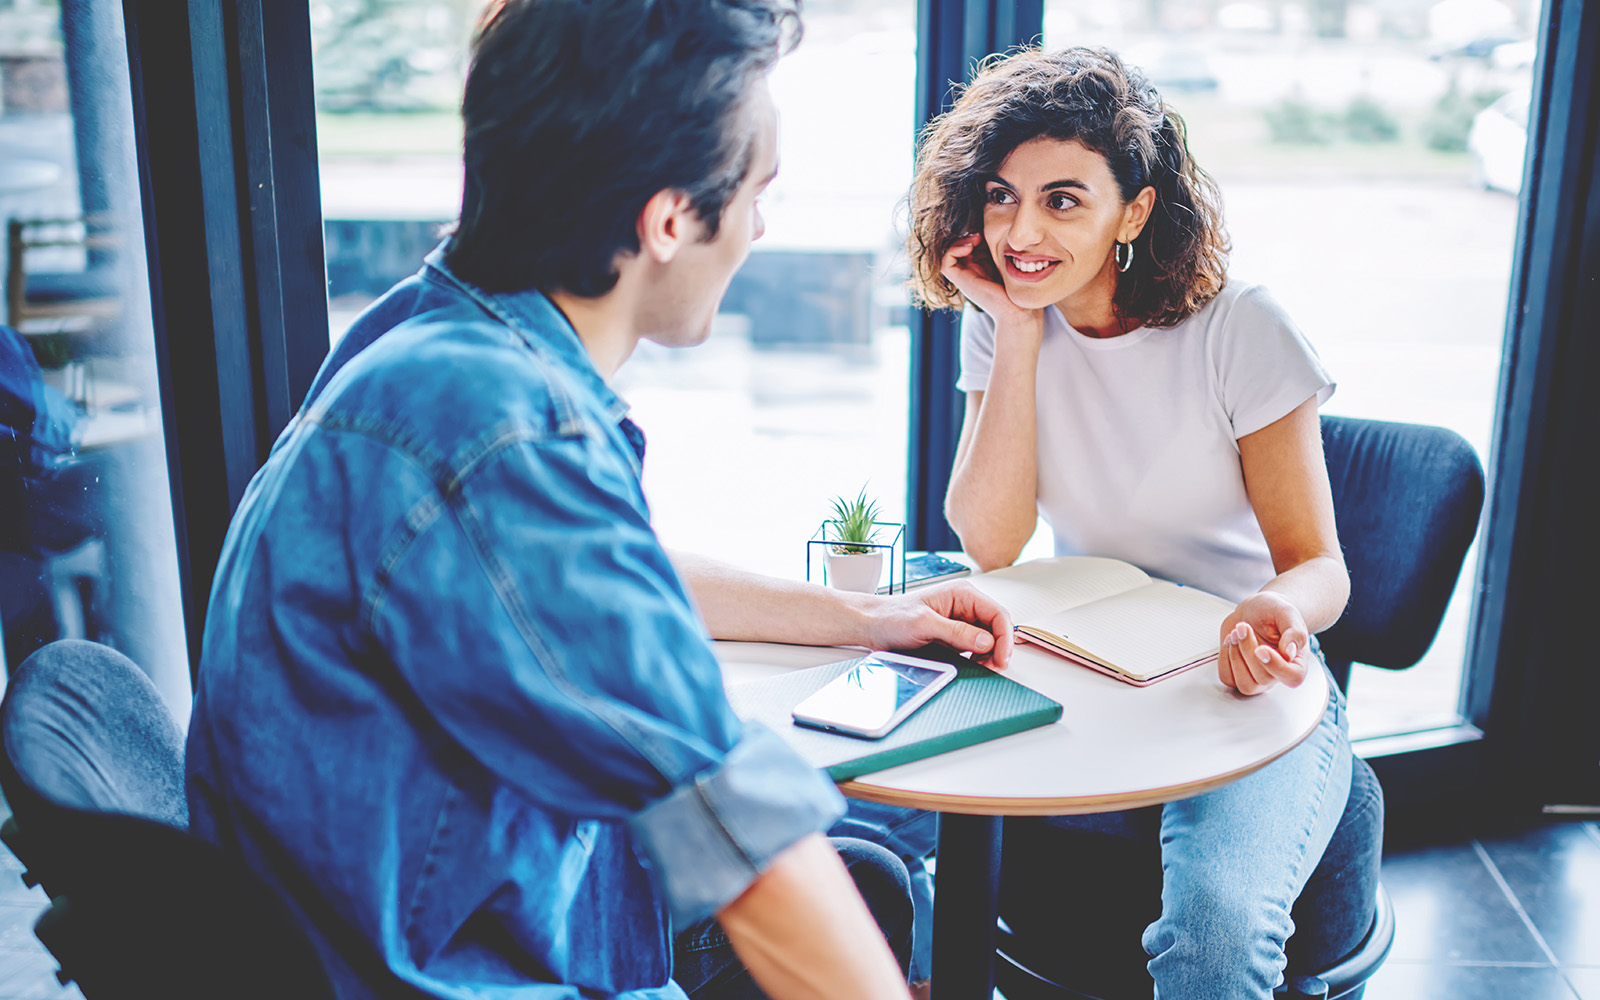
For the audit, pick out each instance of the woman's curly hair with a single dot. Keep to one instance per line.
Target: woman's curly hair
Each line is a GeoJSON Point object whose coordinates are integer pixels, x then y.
{"type": "Point", "coordinates": [1087, 95]}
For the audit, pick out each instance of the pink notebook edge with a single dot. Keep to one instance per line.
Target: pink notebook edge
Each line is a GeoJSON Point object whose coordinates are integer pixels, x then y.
{"type": "Point", "coordinates": [1101, 669]}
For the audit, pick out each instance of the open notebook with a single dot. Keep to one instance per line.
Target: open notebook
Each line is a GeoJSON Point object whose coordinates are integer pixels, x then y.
{"type": "Point", "coordinates": [1109, 615]}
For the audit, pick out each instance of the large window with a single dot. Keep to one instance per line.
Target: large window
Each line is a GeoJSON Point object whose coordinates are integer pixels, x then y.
{"type": "Point", "coordinates": [801, 393]}
{"type": "Point", "coordinates": [1370, 156]}
{"type": "Point", "coordinates": [87, 546]}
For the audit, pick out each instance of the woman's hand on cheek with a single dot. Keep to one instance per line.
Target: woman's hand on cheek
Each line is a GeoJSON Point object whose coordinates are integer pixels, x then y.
{"type": "Point", "coordinates": [1264, 641]}
{"type": "Point", "coordinates": [976, 279]}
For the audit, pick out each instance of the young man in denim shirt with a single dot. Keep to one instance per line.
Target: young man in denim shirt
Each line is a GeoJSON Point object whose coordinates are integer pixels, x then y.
{"type": "Point", "coordinates": [455, 702]}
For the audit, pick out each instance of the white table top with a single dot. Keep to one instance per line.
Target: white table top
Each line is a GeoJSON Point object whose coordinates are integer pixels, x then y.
{"type": "Point", "coordinates": [1115, 746]}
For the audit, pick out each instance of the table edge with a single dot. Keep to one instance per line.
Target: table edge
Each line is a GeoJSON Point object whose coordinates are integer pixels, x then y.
{"type": "Point", "coordinates": [983, 805]}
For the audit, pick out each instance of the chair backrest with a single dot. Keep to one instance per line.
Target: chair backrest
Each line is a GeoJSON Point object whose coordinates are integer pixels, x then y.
{"type": "Point", "coordinates": [1406, 498]}
{"type": "Point", "coordinates": [93, 769]}
{"type": "Point", "coordinates": [84, 728]}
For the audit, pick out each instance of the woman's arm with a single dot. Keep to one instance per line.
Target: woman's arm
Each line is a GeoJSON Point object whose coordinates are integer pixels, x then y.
{"type": "Point", "coordinates": [991, 501]}
{"type": "Point", "coordinates": [1286, 477]}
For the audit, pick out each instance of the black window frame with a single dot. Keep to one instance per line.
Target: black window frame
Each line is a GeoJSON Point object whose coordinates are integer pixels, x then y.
{"type": "Point", "coordinates": [225, 139]}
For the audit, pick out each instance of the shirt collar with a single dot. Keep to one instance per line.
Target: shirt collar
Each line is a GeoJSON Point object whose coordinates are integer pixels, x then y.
{"type": "Point", "coordinates": [543, 327]}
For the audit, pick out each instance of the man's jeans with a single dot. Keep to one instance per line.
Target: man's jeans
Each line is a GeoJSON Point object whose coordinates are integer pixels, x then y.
{"type": "Point", "coordinates": [912, 834]}
{"type": "Point", "coordinates": [705, 965]}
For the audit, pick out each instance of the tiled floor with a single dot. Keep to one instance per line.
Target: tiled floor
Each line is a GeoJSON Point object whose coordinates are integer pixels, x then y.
{"type": "Point", "coordinates": [1509, 914]}
{"type": "Point", "coordinates": [26, 969]}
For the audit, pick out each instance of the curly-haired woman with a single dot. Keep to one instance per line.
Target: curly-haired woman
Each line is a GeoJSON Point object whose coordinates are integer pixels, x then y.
{"type": "Point", "coordinates": [1151, 409]}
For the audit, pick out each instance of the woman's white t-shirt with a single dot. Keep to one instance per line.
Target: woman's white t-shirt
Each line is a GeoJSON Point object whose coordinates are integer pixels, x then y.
{"type": "Point", "coordinates": [1138, 434]}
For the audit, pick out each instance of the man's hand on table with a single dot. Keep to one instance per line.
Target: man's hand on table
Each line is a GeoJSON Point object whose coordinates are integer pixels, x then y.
{"type": "Point", "coordinates": [744, 606]}
{"type": "Point", "coordinates": [955, 614]}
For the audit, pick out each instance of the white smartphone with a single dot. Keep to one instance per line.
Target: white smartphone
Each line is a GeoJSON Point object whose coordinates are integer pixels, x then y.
{"type": "Point", "coordinates": [874, 696]}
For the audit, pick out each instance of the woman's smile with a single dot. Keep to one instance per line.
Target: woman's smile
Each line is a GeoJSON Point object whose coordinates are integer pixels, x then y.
{"type": "Point", "coordinates": [1029, 267]}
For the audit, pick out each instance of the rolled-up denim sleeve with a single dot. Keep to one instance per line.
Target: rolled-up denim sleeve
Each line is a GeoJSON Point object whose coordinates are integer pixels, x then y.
{"type": "Point", "coordinates": [709, 838]}
{"type": "Point", "coordinates": [539, 623]}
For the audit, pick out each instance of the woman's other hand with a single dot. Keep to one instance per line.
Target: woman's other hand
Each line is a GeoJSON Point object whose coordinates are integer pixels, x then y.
{"type": "Point", "coordinates": [974, 275]}
{"type": "Point", "coordinates": [1264, 641]}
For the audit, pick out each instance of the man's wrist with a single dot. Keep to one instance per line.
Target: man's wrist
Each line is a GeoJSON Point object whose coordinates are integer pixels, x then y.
{"type": "Point", "coordinates": [859, 615]}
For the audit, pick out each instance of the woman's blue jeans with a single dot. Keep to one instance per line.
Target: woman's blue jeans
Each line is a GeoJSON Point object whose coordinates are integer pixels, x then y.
{"type": "Point", "coordinates": [1233, 862]}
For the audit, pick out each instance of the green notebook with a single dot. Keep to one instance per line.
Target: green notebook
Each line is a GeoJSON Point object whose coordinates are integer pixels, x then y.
{"type": "Point", "coordinates": [978, 705]}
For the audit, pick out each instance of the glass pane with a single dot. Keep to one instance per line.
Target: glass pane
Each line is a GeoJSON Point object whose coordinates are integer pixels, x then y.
{"type": "Point", "coordinates": [1370, 156]}
{"type": "Point", "coordinates": [88, 546]}
{"type": "Point", "coordinates": [802, 392]}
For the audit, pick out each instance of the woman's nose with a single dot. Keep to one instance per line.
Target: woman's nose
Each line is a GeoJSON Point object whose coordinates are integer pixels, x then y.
{"type": "Point", "coordinates": [1025, 228]}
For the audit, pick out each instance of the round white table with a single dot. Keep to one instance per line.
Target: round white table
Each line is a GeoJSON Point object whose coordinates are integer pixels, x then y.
{"type": "Point", "coordinates": [1115, 747]}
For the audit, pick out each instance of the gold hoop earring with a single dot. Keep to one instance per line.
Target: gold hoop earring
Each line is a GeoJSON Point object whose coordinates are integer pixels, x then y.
{"type": "Point", "coordinates": [1123, 262]}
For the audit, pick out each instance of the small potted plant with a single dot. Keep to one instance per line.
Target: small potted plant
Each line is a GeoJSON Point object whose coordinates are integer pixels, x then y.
{"type": "Point", "coordinates": [854, 562]}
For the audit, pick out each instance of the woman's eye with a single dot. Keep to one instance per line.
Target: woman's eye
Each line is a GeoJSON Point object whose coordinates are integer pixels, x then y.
{"type": "Point", "coordinates": [1061, 202]}
{"type": "Point", "coordinates": [999, 196]}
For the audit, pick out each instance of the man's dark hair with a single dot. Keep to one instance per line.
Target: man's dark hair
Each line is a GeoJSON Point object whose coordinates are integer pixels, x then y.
{"type": "Point", "coordinates": [578, 111]}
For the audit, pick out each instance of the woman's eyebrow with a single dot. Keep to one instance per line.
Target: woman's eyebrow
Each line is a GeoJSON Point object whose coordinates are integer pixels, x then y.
{"type": "Point", "coordinates": [1069, 182]}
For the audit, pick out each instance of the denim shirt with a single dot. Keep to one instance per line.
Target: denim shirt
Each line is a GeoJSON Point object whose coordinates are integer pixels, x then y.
{"type": "Point", "coordinates": [454, 703]}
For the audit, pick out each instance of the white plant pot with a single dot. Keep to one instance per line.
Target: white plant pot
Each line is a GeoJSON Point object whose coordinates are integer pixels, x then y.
{"type": "Point", "coordinates": [858, 572]}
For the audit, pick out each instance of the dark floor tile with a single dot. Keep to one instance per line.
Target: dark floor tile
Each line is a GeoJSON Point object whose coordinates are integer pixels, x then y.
{"type": "Point", "coordinates": [29, 975]}
{"type": "Point", "coordinates": [45, 989]}
{"type": "Point", "coordinates": [1448, 907]}
{"type": "Point", "coordinates": [1554, 871]}
{"type": "Point", "coordinates": [16, 928]}
{"type": "Point", "coordinates": [13, 891]}
{"type": "Point", "coordinates": [1429, 981]}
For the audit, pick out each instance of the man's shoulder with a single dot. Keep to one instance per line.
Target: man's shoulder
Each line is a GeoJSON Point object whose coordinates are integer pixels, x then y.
{"type": "Point", "coordinates": [447, 381]}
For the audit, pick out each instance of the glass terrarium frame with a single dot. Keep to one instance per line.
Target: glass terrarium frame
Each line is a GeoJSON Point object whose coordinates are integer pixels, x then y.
{"type": "Point", "coordinates": [820, 541]}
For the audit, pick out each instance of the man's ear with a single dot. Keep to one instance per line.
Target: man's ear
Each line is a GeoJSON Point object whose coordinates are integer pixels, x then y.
{"type": "Point", "coordinates": [666, 223]}
{"type": "Point", "coordinates": [1136, 214]}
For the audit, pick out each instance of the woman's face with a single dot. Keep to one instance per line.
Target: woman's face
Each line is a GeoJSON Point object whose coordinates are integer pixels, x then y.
{"type": "Point", "coordinates": [1050, 219]}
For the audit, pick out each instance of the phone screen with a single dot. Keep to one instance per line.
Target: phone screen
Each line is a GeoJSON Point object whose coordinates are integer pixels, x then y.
{"type": "Point", "coordinates": [926, 567]}
{"type": "Point", "coordinates": [866, 697]}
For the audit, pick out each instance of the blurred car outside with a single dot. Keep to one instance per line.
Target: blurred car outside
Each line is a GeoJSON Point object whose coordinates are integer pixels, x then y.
{"type": "Point", "coordinates": [1498, 142]}
{"type": "Point", "coordinates": [1174, 68]}
{"type": "Point", "coordinates": [1514, 56]}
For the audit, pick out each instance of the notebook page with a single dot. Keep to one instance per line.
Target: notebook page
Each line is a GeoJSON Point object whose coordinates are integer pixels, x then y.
{"type": "Point", "coordinates": [1042, 586]}
{"type": "Point", "coordinates": [1147, 631]}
